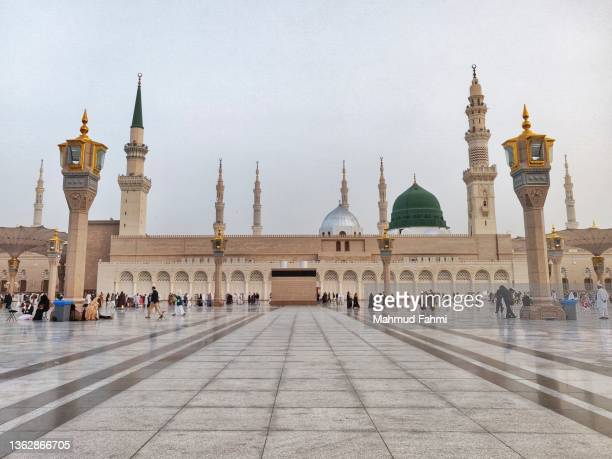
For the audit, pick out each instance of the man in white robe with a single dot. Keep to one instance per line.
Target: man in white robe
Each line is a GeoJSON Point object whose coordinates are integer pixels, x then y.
{"type": "Point", "coordinates": [601, 302]}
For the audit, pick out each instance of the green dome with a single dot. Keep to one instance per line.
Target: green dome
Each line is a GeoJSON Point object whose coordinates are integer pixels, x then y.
{"type": "Point", "coordinates": [416, 207]}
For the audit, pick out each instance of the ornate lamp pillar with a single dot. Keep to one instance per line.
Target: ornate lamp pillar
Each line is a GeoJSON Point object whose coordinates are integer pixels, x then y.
{"type": "Point", "coordinates": [385, 244]}
{"type": "Point", "coordinates": [556, 245]}
{"type": "Point", "coordinates": [13, 269]}
{"type": "Point", "coordinates": [81, 160]}
{"type": "Point", "coordinates": [218, 246]}
{"type": "Point", "coordinates": [54, 252]}
{"type": "Point", "coordinates": [529, 157]}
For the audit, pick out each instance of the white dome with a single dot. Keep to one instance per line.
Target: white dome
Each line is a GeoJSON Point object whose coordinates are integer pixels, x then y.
{"type": "Point", "coordinates": [340, 220]}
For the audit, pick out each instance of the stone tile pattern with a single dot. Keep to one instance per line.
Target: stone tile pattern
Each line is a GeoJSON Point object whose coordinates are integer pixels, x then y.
{"type": "Point", "coordinates": [310, 382]}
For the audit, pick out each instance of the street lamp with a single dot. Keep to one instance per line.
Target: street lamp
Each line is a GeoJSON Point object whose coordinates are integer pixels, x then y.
{"type": "Point", "coordinates": [555, 245]}
{"type": "Point", "coordinates": [54, 252]}
{"type": "Point", "coordinates": [13, 266]}
{"type": "Point", "coordinates": [82, 160]}
{"type": "Point", "coordinates": [385, 245]}
{"type": "Point", "coordinates": [529, 156]}
{"type": "Point", "coordinates": [218, 246]}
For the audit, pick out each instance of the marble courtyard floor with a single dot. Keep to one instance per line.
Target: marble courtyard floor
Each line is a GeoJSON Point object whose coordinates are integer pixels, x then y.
{"type": "Point", "coordinates": [307, 382]}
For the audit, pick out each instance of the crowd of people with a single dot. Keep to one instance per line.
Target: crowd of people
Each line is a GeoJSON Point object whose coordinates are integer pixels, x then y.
{"type": "Point", "coordinates": [594, 300]}
{"type": "Point", "coordinates": [338, 299]}
{"type": "Point", "coordinates": [33, 306]}
{"type": "Point", "coordinates": [37, 306]}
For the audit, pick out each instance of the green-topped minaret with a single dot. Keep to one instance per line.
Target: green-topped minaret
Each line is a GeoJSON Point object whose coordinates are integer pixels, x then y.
{"type": "Point", "coordinates": [134, 185]}
{"type": "Point", "coordinates": [137, 117]}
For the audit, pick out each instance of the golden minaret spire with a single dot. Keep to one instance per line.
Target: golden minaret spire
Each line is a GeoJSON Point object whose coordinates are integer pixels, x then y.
{"type": "Point", "coordinates": [257, 228]}
{"type": "Point", "coordinates": [38, 203]}
{"type": "Point", "coordinates": [344, 188]}
{"type": "Point", "coordinates": [480, 176]}
{"type": "Point", "coordinates": [219, 204]}
{"type": "Point", "coordinates": [570, 203]}
{"type": "Point", "coordinates": [382, 199]}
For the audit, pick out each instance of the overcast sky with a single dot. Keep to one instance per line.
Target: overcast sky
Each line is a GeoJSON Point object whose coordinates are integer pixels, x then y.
{"type": "Point", "coordinates": [300, 86]}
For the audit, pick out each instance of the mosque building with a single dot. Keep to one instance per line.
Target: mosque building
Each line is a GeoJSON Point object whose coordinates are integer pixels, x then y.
{"type": "Point", "coordinates": [121, 256]}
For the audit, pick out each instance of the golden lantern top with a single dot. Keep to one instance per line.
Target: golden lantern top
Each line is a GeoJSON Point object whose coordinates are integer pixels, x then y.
{"type": "Point", "coordinates": [218, 242]}
{"type": "Point", "coordinates": [528, 149]}
{"type": "Point", "coordinates": [554, 240]}
{"type": "Point", "coordinates": [385, 242]}
{"type": "Point", "coordinates": [553, 234]}
{"type": "Point", "coordinates": [82, 154]}
{"type": "Point", "coordinates": [55, 243]}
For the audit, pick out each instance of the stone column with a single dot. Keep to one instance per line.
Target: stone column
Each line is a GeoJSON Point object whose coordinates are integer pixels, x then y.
{"type": "Point", "coordinates": [218, 294]}
{"type": "Point", "coordinates": [537, 260]}
{"type": "Point", "coordinates": [53, 263]}
{"type": "Point", "coordinates": [79, 202]}
{"type": "Point", "coordinates": [537, 264]}
{"type": "Point", "coordinates": [557, 278]}
{"type": "Point", "coordinates": [13, 268]}
{"type": "Point", "coordinates": [385, 256]}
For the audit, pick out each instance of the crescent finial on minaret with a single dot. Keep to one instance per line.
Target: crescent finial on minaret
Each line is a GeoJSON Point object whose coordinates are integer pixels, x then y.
{"type": "Point", "coordinates": [474, 70]}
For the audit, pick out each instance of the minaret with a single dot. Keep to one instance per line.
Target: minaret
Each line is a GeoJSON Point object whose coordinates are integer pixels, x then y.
{"type": "Point", "coordinates": [134, 185]}
{"type": "Point", "coordinates": [38, 203]}
{"type": "Point", "coordinates": [480, 176]}
{"type": "Point", "coordinates": [382, 200]}
{"type": "Point", "coordinates": [219, 225]}
{"type": "Point", "coordinates": [344, 188]}
{"type": "Point", "coordinates": [257, 228]}
{"type": "Point", "coordinates": [570, 204]}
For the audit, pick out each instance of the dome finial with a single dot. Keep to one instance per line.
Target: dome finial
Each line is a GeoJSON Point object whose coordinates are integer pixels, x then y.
{"type": "Point", "coordinates": [139, 78]}
{"type": "Point", "coordinates": [84, 129]}
{"type": "Point", "coordinates": [526, 122]}
{"type": "Point", "coordinates": [474, 70]}
{"type": "Point", "coordinates": [414, 178]}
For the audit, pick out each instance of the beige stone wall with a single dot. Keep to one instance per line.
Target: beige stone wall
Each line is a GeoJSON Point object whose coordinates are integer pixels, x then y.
{"type": "Point", "coordinates": [310, 248]}
{"type": "Point", "coordinates": [446, 263]}
{"type": "Point", "coordinates": [98, 248]}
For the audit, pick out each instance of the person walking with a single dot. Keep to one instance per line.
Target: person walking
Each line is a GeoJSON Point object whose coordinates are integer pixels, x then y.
{"type": "Point", "coordinates": [179, 310]}
{"type": "Point", "coordinates": [355, 301]}
{"type": "Point", "coordinates": [508, 297]}
{"type": "Point", "coordinates": [8, 301]}
{"type": "Point", "coordinates": [154, 304]}
{"type": "Point", "coordinates": [601, 302]}
{"type": "Point", "coordinates": [499, 307]}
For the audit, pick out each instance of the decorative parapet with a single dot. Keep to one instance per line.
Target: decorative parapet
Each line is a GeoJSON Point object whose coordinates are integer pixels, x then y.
{"type": "Point", "coordinates": [288, 236]}
{"type": "Point", "coordinates": [134, 183]}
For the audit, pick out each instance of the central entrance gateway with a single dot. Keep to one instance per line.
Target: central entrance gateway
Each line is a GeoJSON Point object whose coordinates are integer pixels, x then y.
{"type": "Point", "coordinates": [294, 286]}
